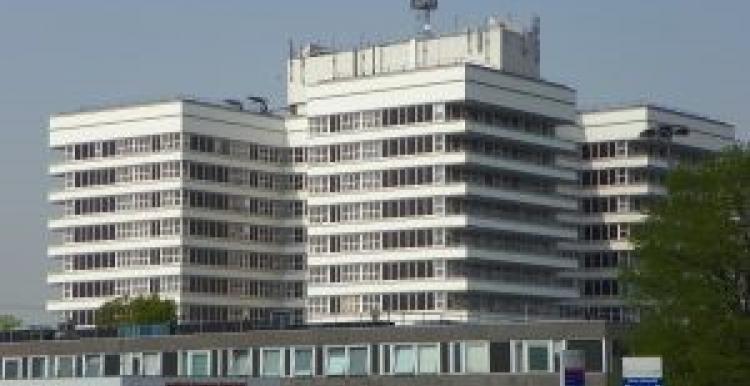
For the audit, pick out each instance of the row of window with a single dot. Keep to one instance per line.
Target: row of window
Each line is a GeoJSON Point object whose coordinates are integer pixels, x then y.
{"type": "Point", "coordinates": [412, 207]}
{"type": "Point", "coordinates": [600, 287]}
{"type": "Point", "coordinates": [246, 151]}
{"type": "Point", "coordinates": [376, 179]}
{"type": "Point", "coordinates": [421, 238]}
{"type": "Point", "coordinates": [497, 148]}
{"type": "Point", "coordinates": [609, 313]}
{"type": "Point", "coordinates": [621, 149]}
{"type": "Point", "coordinates": [374, 241]}
{"type": "Point", "coordinates": [406, 146]}
{"type": "Point", "coordinates": [208, 313]}
{"type": "Point", "coordinates": [434, 269]}
{"type": "Point", "coordinates": [377, 149]}
{"type": "Point", "coordinates": [439, 174]}
{"type": "Point", "coordinates": [254, 206]}
{"type": "Point", "coordinates": [123, 202]}
{"type": "Point", "coordinates": [397, 358]}
{"type": "Point", "coordinates": [605, 259]}
{"type": "Point", "coordinates": [185, 284]}
{"type": "Point", "coordinates": [613, 204]}
{"type": "Point", "coordinates": [243, 177]}
{"type": "Point", "coordinates": [352, 273]}
{"type": "Point", "coordinates": [605, 232]}
{"type": "Point", "coordinates": [426, 113]}
{"type": "Point", "coordinates": [241, 150]}
{"type": "Point", "coordinates": [280, 209]}
{"type": "Point", "coordinates": [136, 230]}
{"type": "Point", "coordinates": [358, 211]}
{"type": "Point", "coordinates": [225, 259]}
{"type": "Point", "coordinates": [433, 303]}
{"type": "Point", "coordinates": [621, 176]}
{"type": "Point", "coordinates": [364, 304]}
{"type": "Point", "coordinates": [122, 287]}
{"type": "Point", "coordinates": [184, 169]}
{"type": "Point", "coordinates": [499, 210]}
{"type": "Point", "coordinates": [346, 182]}
{"type": "Point", "coordinates": [123, 147]}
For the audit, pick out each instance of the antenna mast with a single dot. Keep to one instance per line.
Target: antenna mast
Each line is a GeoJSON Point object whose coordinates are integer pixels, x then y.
{"type": "Point", "coordinates": [424, 9]}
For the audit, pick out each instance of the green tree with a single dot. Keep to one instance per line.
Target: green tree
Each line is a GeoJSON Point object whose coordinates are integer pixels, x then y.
{"type": "Point", "coordinates": [693, 275]}
{"type": "Point", "coordinates": [139, 310]}
{"type": "Point", "coordinates": [9, 322]}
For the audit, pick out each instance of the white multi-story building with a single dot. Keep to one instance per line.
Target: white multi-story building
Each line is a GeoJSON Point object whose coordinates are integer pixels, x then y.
{"type": "Point", "coordinates": [625, 155]}
{"type": "Point", "coordinates": [191, 201]}
{"type": "Point", "coordinates": [432, 176]}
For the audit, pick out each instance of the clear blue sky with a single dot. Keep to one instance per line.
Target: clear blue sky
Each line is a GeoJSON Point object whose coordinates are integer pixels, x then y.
{"type": "Point", "coordinates": [60, 55]}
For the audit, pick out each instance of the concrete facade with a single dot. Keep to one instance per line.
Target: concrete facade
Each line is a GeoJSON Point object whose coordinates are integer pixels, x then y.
{"type": "Point", "coordinates": [513, 353]}
{"type": "Point", "coordinates": [626, 153]}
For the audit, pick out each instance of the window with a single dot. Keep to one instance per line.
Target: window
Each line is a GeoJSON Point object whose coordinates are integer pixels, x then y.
{"type": "Point", "coordinates": [336, 361]}
{"type": "Point", "coordinates": [428, 359]}
{"type": "Point", "coordinates": [199, 364]}
{"type": "Point", "coordinates": [38, 368]}
{"type": "Point", "coordinates": [303, 365]}
{"type": "Point", "coordinates": [92, 366]}
{"type": "Point", "coordinates": [151, 364]}
{"type": "Point", "coordinates": [347, 361]}
{"type": "Point", "coordinates": [403, 359]}
{"type": "Point", "coordinates": [11, 368]}
{"type": "Point", "coordinates": [271, 363]}
{"type": "Point", "coordinates": [538, 357]}
{"type": "Point", "coordinates": [239, 363]}
{"type": "Point", "coordinates": [65, 367]}
{"type": "Point", "coordinates": [358, 361]}
{"type": "Point", "coordinates": [476, 357]}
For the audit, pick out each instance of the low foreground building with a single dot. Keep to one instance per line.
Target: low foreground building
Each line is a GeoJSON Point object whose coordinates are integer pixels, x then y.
{"type": "Point", "coordinates": [364, 354]}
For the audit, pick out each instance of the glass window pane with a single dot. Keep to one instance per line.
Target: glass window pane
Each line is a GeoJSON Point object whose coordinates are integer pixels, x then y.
{"type": "Point", "coordinates": [403, 360]}
{"type": "Point", "coordinates": [151, 364]}
{"type": "Point", "coordinates": [358, 361]}
{"type": "Point", "coordinates": [11, 370]}
{"type": "Point", "coordinates": [477, 360]}
{"type": "Point", "coordinates": [538, 358]}
{"type": "Point", "coordinates": [92, 366]}
{"type": "Point", "coordinates": [240, 363]}
{"type": "Point", "coordinates": [199, 365]}
{"type": "Point", "coordinates": [303, 362]}
{"type": "Point", "coordinates": [38, 366]}
{"type": "Point", "coordinates": [428, 362]}
{"type": "Point", "coordinates": [65, 367]}
{"type": "Point", "coordinates": [271, 363]}
{"type": "Point", "coordinates": [336, 361]}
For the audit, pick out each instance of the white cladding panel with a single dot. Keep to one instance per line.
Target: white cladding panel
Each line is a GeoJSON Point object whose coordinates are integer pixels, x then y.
{"type": "Point", "coordinates": [463, 82]}
{"type": "Point", "coordinates": [165, 117]}
{"type": "Point", "coordinates": [630, 123]}
{"type": "Point", "coordinates": [423, 86]}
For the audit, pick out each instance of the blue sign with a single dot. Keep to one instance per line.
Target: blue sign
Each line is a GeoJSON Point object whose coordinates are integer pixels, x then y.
{"type": "Point", "coordinates": [642, 382]}
{"type": "Point", "coordinates": [575, 377]}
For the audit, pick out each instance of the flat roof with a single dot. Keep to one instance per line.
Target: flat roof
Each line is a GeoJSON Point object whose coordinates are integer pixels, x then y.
{"type": "Point", "coordinates": [156, 101]}
{"type": "Point", "coordinates": [654, 106]}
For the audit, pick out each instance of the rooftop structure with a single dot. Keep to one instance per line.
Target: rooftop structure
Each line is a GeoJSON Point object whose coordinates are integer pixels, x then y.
{"type": "Point", "coordinates": [496, 45]}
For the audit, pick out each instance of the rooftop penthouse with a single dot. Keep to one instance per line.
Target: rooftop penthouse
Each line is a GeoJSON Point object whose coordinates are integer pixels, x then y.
{"type": "Point", "coordinates": [497, 45]}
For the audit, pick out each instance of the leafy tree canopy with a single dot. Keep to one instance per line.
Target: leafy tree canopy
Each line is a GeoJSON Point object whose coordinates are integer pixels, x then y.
{"type": "Point", "coordinates": [140, 310]}
{"type": "Point", "coordinates": [693, 276]}
{"type": "Point", "coordinates": [9, 322]}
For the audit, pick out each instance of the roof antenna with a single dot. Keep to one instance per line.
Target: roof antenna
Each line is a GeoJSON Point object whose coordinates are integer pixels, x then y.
{"type": "Point", "coordinates": [424, 9]}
